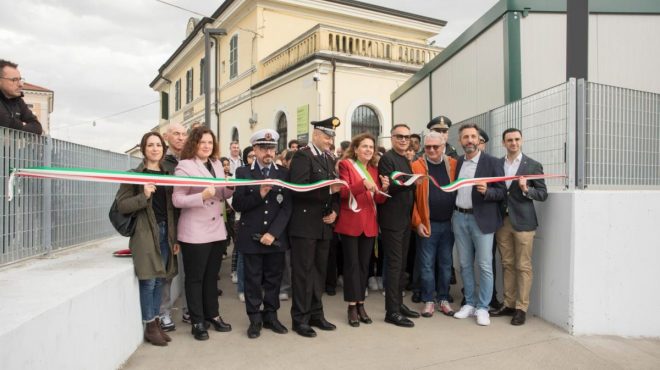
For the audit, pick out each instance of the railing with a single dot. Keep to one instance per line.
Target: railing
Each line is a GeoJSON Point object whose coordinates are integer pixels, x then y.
{"type": "Point", "coordinates": [46, 215]}
{"type": "Point", "coordinates": [350, 43]}
{"type": "Point", "coordinates": [601, 137]}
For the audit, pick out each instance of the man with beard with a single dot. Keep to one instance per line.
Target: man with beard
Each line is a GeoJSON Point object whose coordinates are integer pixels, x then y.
{"type": "Point", "coordinates": [476, 218]}
{"type": "Point", "coordinates": [262, 238]}
{"type": "Point", "coordinates": [310, 229]}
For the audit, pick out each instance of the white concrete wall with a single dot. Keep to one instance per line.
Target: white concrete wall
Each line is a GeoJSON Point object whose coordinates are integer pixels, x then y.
{"type": "Point", "coordinates": [617, 263]}
{"type": "Point", "coordinates": [624, 50]}
{"type": "Point", "coordinates": [542, 51]}
{"type": "Point", "coordinates": [77, 310]}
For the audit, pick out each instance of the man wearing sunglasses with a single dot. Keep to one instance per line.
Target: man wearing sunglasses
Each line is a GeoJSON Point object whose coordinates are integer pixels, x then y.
{"type": "Point", "coordinates": [431, 219]}
{"type": "Point", "coordinates": [14, 113]}
{"type": "Point", "coordinates": [441, 124]}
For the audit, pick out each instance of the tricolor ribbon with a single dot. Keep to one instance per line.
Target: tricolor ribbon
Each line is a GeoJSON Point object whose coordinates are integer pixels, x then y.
{"type": "Point", "coordinates": [460, 183]}
{"type": "Point", "coordinates": [139, 178]}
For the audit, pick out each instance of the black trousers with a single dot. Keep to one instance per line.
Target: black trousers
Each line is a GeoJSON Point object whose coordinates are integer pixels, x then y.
{"type": "Point", "coordinates": [309, 260]}
{"type": "Point", "coordinates": [395, 244]}
{"type": "Point", "coordinates": [263, 276]}
{"type": "Point", "coordinates": [376, 264]}
{"type": "Point", "coordinates": [201, 263]}
{"type": "Point", "coordinates": [335, 262]}
{"type": "Point", "coordinates": [357, 254]}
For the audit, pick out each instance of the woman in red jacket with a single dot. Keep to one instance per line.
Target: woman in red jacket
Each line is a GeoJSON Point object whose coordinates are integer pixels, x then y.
{"type": "Point", "coordinates": [358, 229]}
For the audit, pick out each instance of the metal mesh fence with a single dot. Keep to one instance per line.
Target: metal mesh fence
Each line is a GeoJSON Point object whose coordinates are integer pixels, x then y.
{"type": "Point", "coordinates": [543, 119]}
{"type": "Point", "coordinates": [622, 138]}
{"type": "Point", "coordinates": [53, 214]}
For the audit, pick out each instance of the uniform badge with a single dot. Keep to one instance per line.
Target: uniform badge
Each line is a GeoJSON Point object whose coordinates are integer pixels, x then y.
{"type": "Point", "coordinates": [279, 198]}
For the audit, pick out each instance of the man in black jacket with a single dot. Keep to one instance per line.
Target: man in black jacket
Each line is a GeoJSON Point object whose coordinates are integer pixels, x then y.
{"type": "Point", "coordinates": [394, 220]}
{"type": "Point", "coordinates": [310, 229]}
{"type": "Point", "coordinates": [262, 237]}
{"type": "Point", "coordinates": [14, 113]}
{"type": "Point", "coordinates": [515, 238]}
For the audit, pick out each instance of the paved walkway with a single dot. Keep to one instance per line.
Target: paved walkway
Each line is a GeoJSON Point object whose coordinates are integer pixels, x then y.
{"type": "Point", "coordinates": [434, 343]}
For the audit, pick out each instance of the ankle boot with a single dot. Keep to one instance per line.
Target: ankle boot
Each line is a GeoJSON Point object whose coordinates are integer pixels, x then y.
{"type": "Point", "coordinates": [363, 314]}
{"type": "Point", "coordinates": [353, 316]}
{"type": "Point", "coordinates": [152, 334]}
{"type": "Point", "coordinates": [161, 331]}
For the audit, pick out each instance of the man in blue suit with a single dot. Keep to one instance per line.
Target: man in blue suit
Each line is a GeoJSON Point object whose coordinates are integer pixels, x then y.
{"type": "Point", "coordinates": [476, 218]}
{"type": "Point", "coordinates": [262, 237]}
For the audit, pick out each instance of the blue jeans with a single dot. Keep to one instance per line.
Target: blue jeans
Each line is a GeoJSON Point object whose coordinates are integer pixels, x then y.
{"type": "Point", "coordinates": [473, 245]}
{"type": "Point", "coordinates": [435, 255]}
{"type": "Point", "coordinates": [151, 289]}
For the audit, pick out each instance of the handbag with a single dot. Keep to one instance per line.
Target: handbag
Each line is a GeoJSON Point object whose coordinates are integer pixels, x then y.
{"type": "Point", "coordinates": [124, 224]}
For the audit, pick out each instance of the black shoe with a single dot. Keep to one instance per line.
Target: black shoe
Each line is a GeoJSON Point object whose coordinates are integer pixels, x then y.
{"type": "Point", "coordinates": [219, 325]}
{"type": "Point", "coordinates": [199, 331]}
{"type": "Point", "coordinates": [502, 311]}
{"type": "Point", "coordinates": [304, 330]}
{"type": "Point", "coordinates": [353, 318]}
{"type": "Point", "coordinates": [398, 320]}
{"type": "Point", "coordinates": [495, 304]}
{"type": "Point", "coordinates": [254, 331]}
{"type": "Point", "coordinates": [407, 312]}
{"type": "Point", "coordinates": [322, 324]}
{"type": "Point", "coordinates": [276, 326]}
{"type": "Point", "coordinates": [518, 318]}
{"type": "Point", "coordinates": [416, 297]}
{"type": "Point", "coordinates": [330, 291]}
{"type": "Point", "coordinates": [362, 313]}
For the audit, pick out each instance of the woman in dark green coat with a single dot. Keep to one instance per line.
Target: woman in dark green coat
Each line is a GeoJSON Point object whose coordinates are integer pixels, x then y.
{"type": "Point", "coordinates": [153, 244]}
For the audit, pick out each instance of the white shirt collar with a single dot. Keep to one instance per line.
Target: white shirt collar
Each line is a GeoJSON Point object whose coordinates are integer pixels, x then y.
{"type": "Point", "coordinates": [517, 159]}
{"type": "Point", "coordinates": [474, 159]}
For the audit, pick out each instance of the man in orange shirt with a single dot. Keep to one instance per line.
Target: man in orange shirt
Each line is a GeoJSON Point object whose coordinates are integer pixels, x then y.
{"type": "Point", "coordinates": [431, 220]}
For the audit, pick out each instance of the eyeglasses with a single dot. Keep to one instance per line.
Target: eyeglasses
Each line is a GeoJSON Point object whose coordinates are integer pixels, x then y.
{"type": "Point", "coordinates": [482, 142]}
{"type": "Point", "coordinates": [401, 137]}
{"type": "Point", "coordinates": [434, 147]}
{"type": "Point", "coordinates": [441, 130]}
{"type": "Point", "coordinates": [14, 79]}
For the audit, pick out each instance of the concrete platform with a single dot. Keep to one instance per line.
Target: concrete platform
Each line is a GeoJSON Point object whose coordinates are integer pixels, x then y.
{"type": "Point", "coordinates": [434, 343]}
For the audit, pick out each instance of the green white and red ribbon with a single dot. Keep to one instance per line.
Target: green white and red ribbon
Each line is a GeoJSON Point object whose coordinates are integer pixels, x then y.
{"type": "Point", "coordinates": [461, 183]}
{"type": "Point", "coordinates": [140, 178]}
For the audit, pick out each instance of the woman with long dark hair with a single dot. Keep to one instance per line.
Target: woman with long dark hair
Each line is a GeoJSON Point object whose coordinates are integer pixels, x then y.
{"type": "Point", "coordinates": [153, 244]}
{"type": "Point", "coordinates": [201, 230]}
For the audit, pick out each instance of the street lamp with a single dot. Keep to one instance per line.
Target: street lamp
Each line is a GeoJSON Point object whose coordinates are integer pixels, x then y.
{"type": "Point", "coordinates": [208, 33]}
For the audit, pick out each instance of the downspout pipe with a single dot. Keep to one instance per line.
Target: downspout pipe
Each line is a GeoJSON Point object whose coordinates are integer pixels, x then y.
{"type": "Point", "coordinates": [208, 33]}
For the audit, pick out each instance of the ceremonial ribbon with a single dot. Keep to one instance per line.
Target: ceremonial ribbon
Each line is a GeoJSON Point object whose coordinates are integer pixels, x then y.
{"type": "Point", "coordinates": [139, 178]}
{"type": "Point", "coordinates": [460, 183]}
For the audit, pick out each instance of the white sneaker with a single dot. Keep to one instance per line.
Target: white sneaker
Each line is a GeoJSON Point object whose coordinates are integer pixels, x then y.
{"type": "Point", "coordinates": [234, 277]}
{"type": "Point", "coordinates": [284, 297]}
{"type": "Point", "coordinates": [166, 322]}
{"type": "Point", "coordinates": [241, 297]}
{"type": "Point", "coordinates": [373, 284]}
{"type": "Point", "coordinates": [483, 318]}
{"type": "Point", "coordinates": [379, 280]}
{"type": "Point", "coordinates": [465, 312]}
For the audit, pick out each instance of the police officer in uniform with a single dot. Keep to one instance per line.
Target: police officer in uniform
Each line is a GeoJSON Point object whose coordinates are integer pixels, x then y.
{"type": "Point", "coordinates": [262, 238]}
{"type": "Point", "coordinates": [311, 228]}
{"type": "Point", "coordinates": [442, 124]}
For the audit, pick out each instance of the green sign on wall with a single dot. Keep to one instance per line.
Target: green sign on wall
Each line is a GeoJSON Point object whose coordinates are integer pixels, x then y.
{"type": "Point", "coordinates": [302, 120]}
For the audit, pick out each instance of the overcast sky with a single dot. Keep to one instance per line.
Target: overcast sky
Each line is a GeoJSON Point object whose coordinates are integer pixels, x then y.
{"type": "Point", "coordinates": [99, 56]}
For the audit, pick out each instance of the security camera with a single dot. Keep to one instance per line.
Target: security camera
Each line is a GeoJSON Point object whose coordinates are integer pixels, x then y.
{"type": "Point", "coordinates": [316, 77]}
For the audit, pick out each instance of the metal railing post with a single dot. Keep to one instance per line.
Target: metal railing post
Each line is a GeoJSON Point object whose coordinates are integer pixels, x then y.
{"type": "Point", "coordinates": [47, 199]}
{"type": "Point", "coordinates": [570, 146]}
{"type": "Point", "coordinates": [581, 134]}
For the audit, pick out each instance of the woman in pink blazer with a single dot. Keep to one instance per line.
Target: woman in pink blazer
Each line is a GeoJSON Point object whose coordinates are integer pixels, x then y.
{"type": "Point", "coordinates": [358, 230]}
{"type": "Point", "coordinates": [201, 229]}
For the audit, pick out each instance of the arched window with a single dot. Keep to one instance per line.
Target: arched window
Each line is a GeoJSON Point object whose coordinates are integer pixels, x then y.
{"type": "Point", "coordinates": [365, 119]}
{"type": "Point", "coordinates": [234, 134]}
{"type": "Point", "coordinates": [281, 130]}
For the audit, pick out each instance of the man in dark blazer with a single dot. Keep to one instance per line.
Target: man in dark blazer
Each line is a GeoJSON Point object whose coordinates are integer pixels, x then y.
{"type": "Point", "coordinates": [476, 218]}
{"type": "Point", "coordinates": [515, 238]}
{"type": "Point", "coordinates": [311, 228]}
{"type": "Point", "coordinates": [262, 237]}
{"type": "Point", "coordinates": [394, 220]}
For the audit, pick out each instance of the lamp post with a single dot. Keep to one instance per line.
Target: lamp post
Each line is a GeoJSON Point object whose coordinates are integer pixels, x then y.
{"type": "Point", "coordinates": [208, 33]}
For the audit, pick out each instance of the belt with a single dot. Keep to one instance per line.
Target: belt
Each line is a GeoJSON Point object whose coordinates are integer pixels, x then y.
{"type": "Point", "coordinates": [463, 210]}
